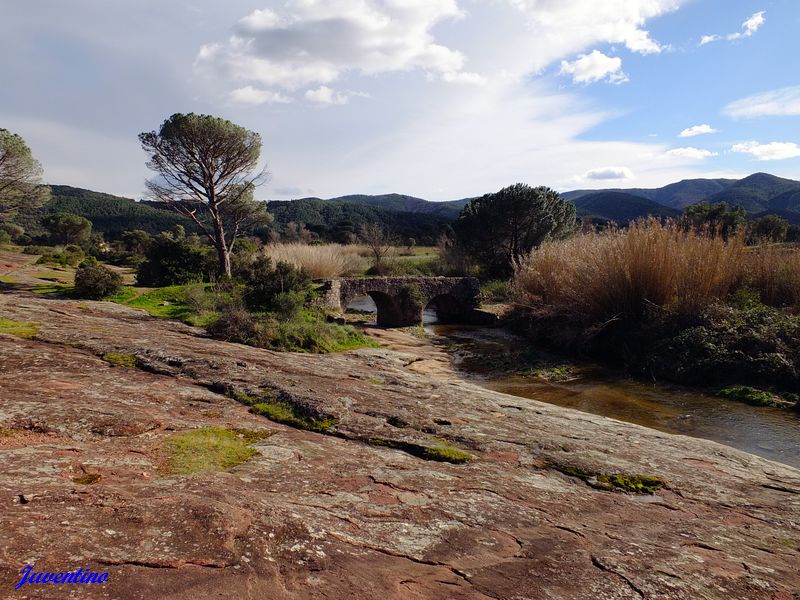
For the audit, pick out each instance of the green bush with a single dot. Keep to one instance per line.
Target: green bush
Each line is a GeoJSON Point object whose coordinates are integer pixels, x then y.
{"type": "Point", "coordinates": [175, 260]}
{"type": "Point", "coordinates": [750, 395]}
{"type": "Point", "coordinates": [746, 342]}
{"type": "Point", "coordinates": [95, 281]}
{"type": "Point", "coordinates": [70, 256]}
{"type": "Point", "coordinates": [266, 286]}
{"type": "Point", "coordinates": [5, 237]}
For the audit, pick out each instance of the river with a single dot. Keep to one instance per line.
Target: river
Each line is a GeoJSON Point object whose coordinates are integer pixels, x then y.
{"type": "Point", "coordinates": [772, 433]}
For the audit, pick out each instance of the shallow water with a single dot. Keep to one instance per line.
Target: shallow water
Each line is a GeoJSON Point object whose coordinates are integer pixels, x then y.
{"type": "Point", "coordinates": [769, 432]}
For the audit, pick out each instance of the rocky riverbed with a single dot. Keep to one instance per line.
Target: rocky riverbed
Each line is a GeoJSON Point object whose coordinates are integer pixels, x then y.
{"type": "Point", "coordinates": [357, 510]}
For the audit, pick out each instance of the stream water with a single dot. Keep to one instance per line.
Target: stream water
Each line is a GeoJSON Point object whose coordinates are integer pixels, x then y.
{"type": "Point", "coordinates": [773, 433]}
{"type": "Point", "coordinates": [476, 351]}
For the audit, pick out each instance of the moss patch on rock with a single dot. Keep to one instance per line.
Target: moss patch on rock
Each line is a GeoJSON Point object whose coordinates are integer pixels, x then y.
{"type": "Point", "coordinates": [440, 451]}
{"type": "Point", "coordinates": [633, 484]}
{"type": "Point", "coordinates": [20, 329]}
{"type": "Point", "coordinates": [210, 449]}
{"type": "Point", "coordinates": [289, 414]}
{"type": "Point", "coordinates": [120, 359]}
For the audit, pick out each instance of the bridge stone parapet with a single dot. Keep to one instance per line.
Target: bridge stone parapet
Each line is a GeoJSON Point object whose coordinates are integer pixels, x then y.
{"type": "Point", "coordinates": [401, 300]}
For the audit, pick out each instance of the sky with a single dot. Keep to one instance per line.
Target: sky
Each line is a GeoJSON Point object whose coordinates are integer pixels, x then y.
{"type": "Point", "coordinates": [440, 99]}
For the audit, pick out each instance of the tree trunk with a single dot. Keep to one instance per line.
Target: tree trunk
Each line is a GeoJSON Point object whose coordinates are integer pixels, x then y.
{"type": "Point", "coordinates": [223, 254]}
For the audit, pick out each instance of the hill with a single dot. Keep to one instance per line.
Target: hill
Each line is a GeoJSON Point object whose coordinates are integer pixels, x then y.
{"type": "Point", "coordinates": [620, 207]}
{"type": "Point", "coordinates": [110, 215]}
{"type": "Point", "coordinates": [757, 192]}
{"type": "Point", "coordinates": [409, 204]}
{"type": "Point", "coordinates": [677, 195]}
{"type": "Point", "coordinates": [338, 220]}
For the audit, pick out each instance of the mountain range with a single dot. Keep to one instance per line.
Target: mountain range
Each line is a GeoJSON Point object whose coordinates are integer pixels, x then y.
{"type": "Point", "coordinates": [337, 219]}
{"type": "Point", "coordinates": [758, 194]}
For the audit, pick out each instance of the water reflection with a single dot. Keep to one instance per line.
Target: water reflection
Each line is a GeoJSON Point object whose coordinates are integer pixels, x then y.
{"type": "Point", "coordinates": [365, 306]}
{"type": "Point", "coordinates": [769, 432]}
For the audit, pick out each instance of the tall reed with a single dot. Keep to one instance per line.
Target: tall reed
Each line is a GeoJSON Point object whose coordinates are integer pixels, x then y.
{"type": "Point", "coordinates": [320, 261]}
{"type": "Point", "coordinates": [629, 274]}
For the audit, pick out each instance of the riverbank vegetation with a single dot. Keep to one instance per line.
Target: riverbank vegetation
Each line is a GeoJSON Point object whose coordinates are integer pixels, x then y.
{"type": "Point", "coordinates": [670, 301]}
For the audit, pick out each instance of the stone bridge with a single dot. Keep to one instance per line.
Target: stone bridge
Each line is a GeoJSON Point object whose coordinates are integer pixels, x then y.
{"type": "Point", "coordinates": [401, 300]}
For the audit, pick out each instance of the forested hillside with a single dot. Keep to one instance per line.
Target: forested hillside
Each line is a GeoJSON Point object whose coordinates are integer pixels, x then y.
{"type": "Point", "coordinates": [110, 215]}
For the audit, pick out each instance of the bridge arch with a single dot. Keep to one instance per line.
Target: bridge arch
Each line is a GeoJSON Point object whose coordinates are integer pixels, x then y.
{"type": "Point", "coordinates": [400, 300]}
{"type": "Point", "coordinates": [447, 307]}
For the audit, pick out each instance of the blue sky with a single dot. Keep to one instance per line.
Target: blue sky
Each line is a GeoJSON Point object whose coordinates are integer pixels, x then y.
{"type": "Point", "coordinates": [437, 98]}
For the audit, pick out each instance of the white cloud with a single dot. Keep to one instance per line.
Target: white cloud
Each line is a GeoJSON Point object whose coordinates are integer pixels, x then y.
{"type": "Point", "coordinates": [781, 102]}
{"type": "Point", "coordinates": [693, 153]}
{"type": "Point", "coordinates": [251, 95]}
{"type": "Point", "coordinates": [771, 151]}
{"type": "Point", "coordinates": [608, 174]}
{"type": "Point", "coordinates": [325, 95]}
{"type": "Point", "coordinates": [749, 27]}
{"type": "Point", "coordinates": [596, 66]}
{"type": "Point", "coordinates": [315, 42]}
{"type": "Point", "coordinates": [613, 21]}
{"type": "Point", "coordinates": [696, 130]}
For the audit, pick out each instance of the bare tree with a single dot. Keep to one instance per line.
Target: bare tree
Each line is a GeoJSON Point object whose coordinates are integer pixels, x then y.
{"type": "Point", "coordinates": [206, 169]}
{"type": "Point", "coordinates": [378, 240]}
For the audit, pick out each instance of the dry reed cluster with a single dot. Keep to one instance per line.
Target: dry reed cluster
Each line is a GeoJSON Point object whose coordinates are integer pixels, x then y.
{"type": "Point", "coordinates": [648, 268]}
{"type": "Point", "coordinates": [320, 261]}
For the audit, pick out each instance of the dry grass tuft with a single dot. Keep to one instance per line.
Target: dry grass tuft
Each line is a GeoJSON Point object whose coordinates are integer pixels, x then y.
{"type": "Point", "coordinates": [319, 261]}
{"type": "Point", "coordinates": [774, 271]}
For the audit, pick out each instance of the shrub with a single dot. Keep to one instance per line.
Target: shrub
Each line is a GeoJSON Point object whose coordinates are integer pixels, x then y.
{"type": "Point", "coordinates": [175, 260]}
{"type": "Point", "coordinates": [235, 324]}
{"type": "Point", "coordinates": [95, 281]}
{"type": "Point", "coordinates": [749, 343]}
{"type": "Point", "coordinates": [264, 283]}
{"type": "Point", "coordinates": [5, 237]}
{"type": "Point", "coordinates": [320, 261]}
{"type": "Point", "coordinates": [70, 256]}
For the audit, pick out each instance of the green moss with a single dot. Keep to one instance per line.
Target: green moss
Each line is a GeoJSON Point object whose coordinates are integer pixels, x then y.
{"type": "Point", "coordinates": [120, 359]}
{"type": "Point", "coordinates": [289, 414]}
{"type": "Point", "coordinates": [245, 399]}
{"type": "Point", "coordinates": [7, 279]}
{"type": "Point", "coordinates": [20, 329]}
{"type": "Point", "coordinates": [441, 451]}
{"type": "Point", "coordinates": [635, 484]}
{"type": "Point", "coordinates": [87, 479]}
{"type": "Point", "coordinates": [209, 449]}
{"type": "Point", "coordinates": [753, 396]}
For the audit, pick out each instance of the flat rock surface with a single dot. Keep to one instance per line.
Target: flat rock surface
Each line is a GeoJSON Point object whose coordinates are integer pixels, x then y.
{"type": "Point", "coordinates": [334, 516]}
